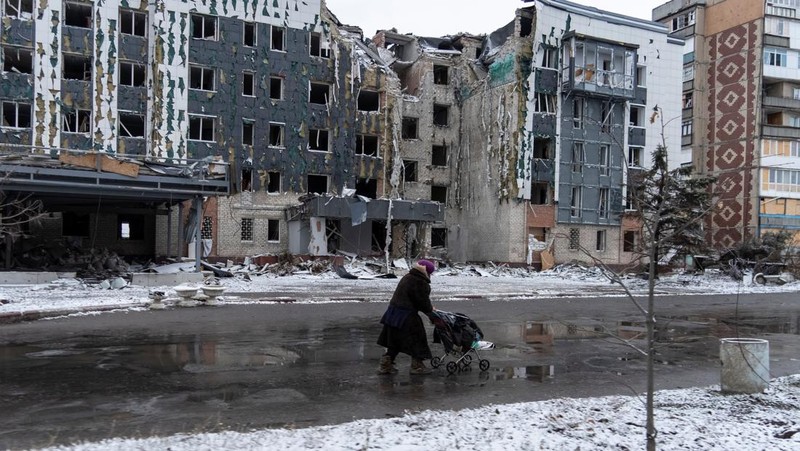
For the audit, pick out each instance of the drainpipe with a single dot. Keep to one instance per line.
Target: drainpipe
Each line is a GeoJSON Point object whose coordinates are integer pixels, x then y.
{"type": "Point", "coordinates": [198, 246]}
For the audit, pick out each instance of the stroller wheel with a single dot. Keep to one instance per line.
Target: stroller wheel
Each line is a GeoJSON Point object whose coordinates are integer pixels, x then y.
{"type": "Point", "coordinates": [484, 364]}
{"type": "Point", "coordinates": [452, 367]}
{"type": "Point", "coordinates": [435, 362]}
{"type": "Point", "coordinates": [467, 359]}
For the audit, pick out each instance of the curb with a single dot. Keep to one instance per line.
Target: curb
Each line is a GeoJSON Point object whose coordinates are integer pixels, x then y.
{"type": "Point", "coordinates": [33, 315]}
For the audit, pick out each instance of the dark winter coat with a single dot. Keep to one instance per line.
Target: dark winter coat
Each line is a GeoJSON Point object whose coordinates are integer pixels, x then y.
{"type": "Point", "coordinates": [403, 330]}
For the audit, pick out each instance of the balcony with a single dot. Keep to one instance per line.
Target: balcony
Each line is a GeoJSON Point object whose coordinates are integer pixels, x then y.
{"type": "Point", "coordinates": [779, 131]}
{"type": "Point", "coordinates": [781, 102]}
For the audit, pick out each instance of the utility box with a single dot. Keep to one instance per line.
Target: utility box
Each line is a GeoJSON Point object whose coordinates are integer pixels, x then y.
{"type": "Point", "coordinates": [745, 365]}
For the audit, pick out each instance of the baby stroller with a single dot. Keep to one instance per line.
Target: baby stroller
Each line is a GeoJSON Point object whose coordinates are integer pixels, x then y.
{"type": "Point", "coordinates": [461, 338]}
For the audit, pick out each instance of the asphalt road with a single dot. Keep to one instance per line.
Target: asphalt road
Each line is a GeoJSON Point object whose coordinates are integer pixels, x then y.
{"type": "Point", "coordinates": [137, 374]}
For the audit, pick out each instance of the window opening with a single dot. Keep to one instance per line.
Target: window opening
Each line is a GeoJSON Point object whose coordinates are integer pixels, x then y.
{"type": "Point", "coordinates": [16, 115]}
{"type": "Point", "coordinates": [132, 23]}
{"type": "Point", "coordinates": [16, 59]}
{"type": "Point", "coordinates": [76, 67]}
{"type": "Point", "coordinates": [367, 188]}
{"type": "Point", "coordinates": [131, 74]}
{"type": "Point", "coordinates": [276, 135]}
{"type": "Point", "coordinates": [76, 121]}
{"type": "Point", "coordinates": [201, 78]}
{"type": "Point", "coordinates": [273, 182]}
{"type": "Point", "coordinates": [276, 88]}
{"type": "Point", "coordinates": [201, 128]}
{"type": "Point", "coordinates": [318, 140]}
{"type": "Point", "coordinates": [249, 34]}
{"type": "Point", "coordinates": [409, 171]}
{"type": "Point", "coordinates": [438, 237]}
{"type": "Point", "coordinates": [248, 84]}
{"type": "Point", "coordinates": [317, 184]}
{"type": "Point", "coordinates": [368, 100]}
{"type": "Point", "coordinates": [248, 133]}
{"type": "Point", "coordinates": [319, 93]}
{"type": "Point", "coordinates": [409, 130]}
{"type": "Point", "coordinates": [439, 155]}
{"type": "Point", "coordinates": [439, 194]}
{"type": "Point", "coordinates": [278, 39]}
{"type": "Point", "coordinates": [78, 14]}
{"type": "Point", "coordinates": [131, 125]}
{"type": "Point", "coordinates": [441, 74]}
{"type": "Point", "coordinates": [316, 48]}
{"type": "Point", "coordinates": [204, 27]}
{"type": "Point", "coordinates": [273, 230]}
{"type": "Point", "coordinates": [367, 145]}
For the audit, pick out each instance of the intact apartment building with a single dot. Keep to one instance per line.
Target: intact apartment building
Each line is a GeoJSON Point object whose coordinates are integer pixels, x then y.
{"type": "Point", "coordinates": [528, 136]}
{"type": "Point", "coordinates": [288, 99]}
{"type": "Point", "coordinates": [741, 109]}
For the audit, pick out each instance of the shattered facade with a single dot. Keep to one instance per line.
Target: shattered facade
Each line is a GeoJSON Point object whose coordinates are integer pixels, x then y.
{"type": "Point", "coordinates": [548, 116]}
{"type": "Point", "coordinates": [741, 97]}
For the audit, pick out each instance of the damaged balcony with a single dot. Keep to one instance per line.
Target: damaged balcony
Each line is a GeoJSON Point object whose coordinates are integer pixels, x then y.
{"type": "Point", "coordinates": [600, 67]}
{"type": "Point", "coordinates": [325, 224]}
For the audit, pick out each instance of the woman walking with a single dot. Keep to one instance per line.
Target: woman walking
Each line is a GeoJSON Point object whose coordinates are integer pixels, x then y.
{"type": "Point", "coordinates": [403, 330]}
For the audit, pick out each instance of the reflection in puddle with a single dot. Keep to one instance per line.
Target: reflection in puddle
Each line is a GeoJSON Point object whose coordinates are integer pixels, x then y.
{"type": "Point", "coordinates": [538, 373]}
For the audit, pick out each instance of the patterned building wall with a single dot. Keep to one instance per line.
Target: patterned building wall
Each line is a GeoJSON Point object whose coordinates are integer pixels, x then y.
{"type": "Point", "coordinates": [47, 74]}
{"type": "Point", "coordinates": [734, 89]}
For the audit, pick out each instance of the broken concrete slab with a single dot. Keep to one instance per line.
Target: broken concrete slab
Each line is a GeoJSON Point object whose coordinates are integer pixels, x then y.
{"type": "Point", "coordinates": [25, 278]}
{"type": "Point", "coordinates": [166, 279]}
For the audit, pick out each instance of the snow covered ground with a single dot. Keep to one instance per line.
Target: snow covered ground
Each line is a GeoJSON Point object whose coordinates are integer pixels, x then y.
{"type": "Point", "coordinates": [72, 295]}
{"type": "Point", "coordinates": [689, 419]}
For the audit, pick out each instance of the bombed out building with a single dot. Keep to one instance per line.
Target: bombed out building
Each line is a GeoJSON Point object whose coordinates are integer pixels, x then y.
{"type": "Point", "coordinates": [287, 114]}
{"type": "Point", "coordinates": [528, 135]}
{"type": "Point", "coordinates": [317, 141]}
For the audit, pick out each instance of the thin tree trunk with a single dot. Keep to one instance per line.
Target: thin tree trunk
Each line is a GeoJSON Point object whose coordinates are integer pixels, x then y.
{"type": "Point", "coordinates": [651, 323]}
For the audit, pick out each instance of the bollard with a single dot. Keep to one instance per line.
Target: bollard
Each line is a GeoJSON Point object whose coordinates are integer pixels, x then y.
{"type": "Point", "coordinates": [745, 365]}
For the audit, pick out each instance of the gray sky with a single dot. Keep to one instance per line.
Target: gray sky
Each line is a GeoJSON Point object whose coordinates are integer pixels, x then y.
{"type": "Point", "coordinates": [443, 17]}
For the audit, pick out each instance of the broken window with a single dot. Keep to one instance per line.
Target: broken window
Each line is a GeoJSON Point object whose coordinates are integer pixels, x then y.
{"type": "Point", "coordinates": [637, 116]}
{"type": "Point", "coordinates": [629, 241]}
{"type": "Point", "coordinates": [441, 115]}
{"type": "Point", "coordinates": [635, 156]}
{"type": "Point", "coordinates": [367, 188]}
{"type": "Point", "coordinates": [578, 157]}
{"type": "Point", "coordinates": [603, 199]}
{"type": "Point", "coordinates": [549, 57]}
{"type": "Point", "coordinates": [540, 193]}
{"type": "Point", "coordinates": [201, 78]}
{"type": "Point", "coordinates": [201, 128]}
{"type": "Point", "coordinates": [574, 239]}
{"type": "Point", "coordinates": [17, 59]}
{"type": "Point", "coordinates": [248, 84]}
{"type": "Point", "coordinates": [605, 117]}
{"type": "Point", "coordinates": [76, 121]}
{"type": "Point", "coordinates": [441, 74]}
{"type": "Point", "coordinates": [204, 27]}
{"type": "Point", "coordinates": [78, 14]}
{"type": "Point", "coordinates": [247, 179]}
{"type": "Point", "coordinates": [75, 224]}
{"type": "Point", "coordinates": [578, 106]}
{"type": "Point", "coordinates": [576, 202]}
{"type": "Point", "coordinates": [276, 135]}
{"type": "Point", "coordinates": [439, 155]}
{"type": "Point", "coordinates": [438, 237]}
{"type": "Point", "coordinates": [317, 184]}
{"type": "Point", "coordinates": [541, 148]}
{"type": "Point", "coordinates": [396, 49]}
{"type": "Point", "coordinates": [248, 132]}
{"type": "Point", "coordinates": [600, 244]}
{"type": "Point", "coordinates": [16, 115]}
{"type": "Point", "coordinates": [131, 74]}
{"type": "Point", "coordinates": [318, 93]}
{"type": "Point", "coordinates": [273, 230]}
{"type": "Point", "coordinates": [317, 47]}
{"type": "Point", "coordinates": [273, 182]}
{"type": "Point", "coordinates": [207, 229]}
{"type": "Point", "coordinates": [378, 238]}
{"type": "Point", "coordinates": [131, 125]}
{"type": "Point", "coordinates": [333, 233]}
{"type": "Point", "coordinates": [278, 39]}
{"type": "Point", "coordinates": [318, 140]}
{"type": "Point", "coordinates": [409, 171]}
{"type": "Point", "coordinates": [132, 22]}
{"type": "Point", "coordinates": [409, 130]}
{"type": "Point", "coordinates": [276, 88]}
{"type": "Point", "coordinates": [439, 194]}
{"type": "Point", "coordinates": [641, 76]}
{"type": "Point", "coordinates": [249, 34]}
{"type": "Point", "coordinates": [130, 227]}
{"type": "Point", "coordinates": [605, 156]}
{"type": "Point", "coordinates": [369, 100]}
{"type": "Point", "coordinates": [545, 103]}
{"type": "Point", "coordinates": [367, 145]}
{"type": "Point", "coordinates": [21, 9]}
{"type": "Point", "coordinates": [76, 67]}
{"type": "Point", "coordinates": [688, 99]}
{"type": "Point", "coordinates": [247, 229]}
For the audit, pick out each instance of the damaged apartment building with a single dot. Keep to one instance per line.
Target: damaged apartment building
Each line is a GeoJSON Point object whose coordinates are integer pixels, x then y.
{"type": "Point", "coordinates": [467, 148]}
{"type": "Point", "coordinates": [294, 107]}
{"type": "Point", "coordinates": [528, 135]}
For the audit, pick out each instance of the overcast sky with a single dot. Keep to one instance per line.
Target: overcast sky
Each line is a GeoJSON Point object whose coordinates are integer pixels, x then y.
{"type": "Point", "coordinates": [447, 17]}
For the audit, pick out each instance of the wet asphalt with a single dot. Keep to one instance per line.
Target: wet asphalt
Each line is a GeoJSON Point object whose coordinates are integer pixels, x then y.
{"type": "Point", "coordinates": [135, 374]}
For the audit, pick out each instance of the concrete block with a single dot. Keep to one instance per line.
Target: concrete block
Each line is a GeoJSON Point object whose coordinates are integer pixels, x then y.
{"type": "Point", "coordinates": [26, 278]}
{"type": "Point", "coordinates": [159, 280]}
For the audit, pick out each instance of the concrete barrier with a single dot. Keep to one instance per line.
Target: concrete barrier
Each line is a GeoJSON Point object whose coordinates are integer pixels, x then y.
{"type": "Point", "coordinates": [159, 280]}
{"type": "Point", "coordinates": [745, 365]}
{"type": "Point", "coordinates": [33, 277]}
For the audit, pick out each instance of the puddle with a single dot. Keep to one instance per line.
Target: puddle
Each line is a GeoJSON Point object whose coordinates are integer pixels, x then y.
{"type": "Point", "coordinates": [537, 373]}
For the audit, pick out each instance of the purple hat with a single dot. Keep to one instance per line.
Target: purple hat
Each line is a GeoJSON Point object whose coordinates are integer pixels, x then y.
{"type": "Point", "coordinates": [429, 266]}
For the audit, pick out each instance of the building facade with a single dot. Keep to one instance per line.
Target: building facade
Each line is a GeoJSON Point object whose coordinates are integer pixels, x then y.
{"type": "Point", "coordinates": [741, 109]}
{"type": "Point", "coordinates": [545, 118]}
